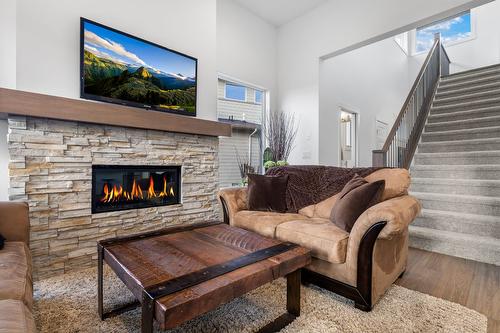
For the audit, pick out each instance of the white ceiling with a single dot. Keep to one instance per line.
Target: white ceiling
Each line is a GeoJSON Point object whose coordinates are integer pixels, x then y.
{"type": "Point", "coordinates": [279, 12]}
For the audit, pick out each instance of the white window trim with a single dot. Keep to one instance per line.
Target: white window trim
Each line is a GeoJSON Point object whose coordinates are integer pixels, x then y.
{"type": "Point", "coordinates": [408, 50]}
{"type": "Point", "coordinates": [473, 35]}
{"type": "Point", "coordinates": [234, 99]}
{"type": "Point", "coordinates": [232, 79]}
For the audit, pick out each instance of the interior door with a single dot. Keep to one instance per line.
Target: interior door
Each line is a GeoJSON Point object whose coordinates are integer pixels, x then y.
{"type": "Point", "coordinates": [348, 139]}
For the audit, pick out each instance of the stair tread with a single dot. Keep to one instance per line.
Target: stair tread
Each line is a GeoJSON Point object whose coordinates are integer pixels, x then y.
{"type": "Point", "coordinates": [483, 87]}
{"type": "Point", "coordinates": [472, 73]}
{"type": "Point", "coordinates": [474, 199]}
{"type": "Point", "coordinates": [457, 181]}
{"type": "Point", "coordinates": [460, 216]}
{"type": "Point", "coordinates": [445, 86]}
{"type": "Point", "coordinates": [461, 121]}
{"type": "Point", "coordinates": [460, 141]}
{"type": "Point", "coordinates": [468, 103]}
{"type": "Point", "coordinates": [465, 112]}
{"type": "Point", "coordinates": [473, 95]}
{"type": "Point", "coordinates": [480, 241]}
{"type": "Point", "coordinates": [465, 130]}
{"type": "Point", "coordinates": [481, 153]}
{"type": "Point", "coordinates": [454, 166]}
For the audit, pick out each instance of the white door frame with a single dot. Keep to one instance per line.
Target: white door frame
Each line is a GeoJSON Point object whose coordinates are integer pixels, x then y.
{"type": "Point", "coordinates": [356, 114]}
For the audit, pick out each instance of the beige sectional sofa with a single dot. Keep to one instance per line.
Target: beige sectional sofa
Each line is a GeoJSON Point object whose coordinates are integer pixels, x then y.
{"type": "Point", "coordinates": [16, 287]}
{"type": "Point", "coordinates": [360, 265]}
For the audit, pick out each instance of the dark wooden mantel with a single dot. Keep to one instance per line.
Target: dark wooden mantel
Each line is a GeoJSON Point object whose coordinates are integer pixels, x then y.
{"type": "Point", "coordinates": [16, 102]}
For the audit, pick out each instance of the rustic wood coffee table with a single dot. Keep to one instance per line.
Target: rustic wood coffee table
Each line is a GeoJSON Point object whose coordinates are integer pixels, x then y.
{"type": "Point", "coordinates": [177, 274]}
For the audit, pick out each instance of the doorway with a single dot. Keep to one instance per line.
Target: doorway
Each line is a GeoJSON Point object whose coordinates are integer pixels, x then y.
{"type": "Point", "coordinates": [348, 138]}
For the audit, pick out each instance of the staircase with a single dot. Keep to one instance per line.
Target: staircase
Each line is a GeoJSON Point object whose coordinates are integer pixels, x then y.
{"type": "Point", "coordinates": [456, 169]}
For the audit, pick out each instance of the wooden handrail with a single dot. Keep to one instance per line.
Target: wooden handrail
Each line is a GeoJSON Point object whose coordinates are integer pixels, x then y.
{"type": "Point", "coordinates": [401, 143]}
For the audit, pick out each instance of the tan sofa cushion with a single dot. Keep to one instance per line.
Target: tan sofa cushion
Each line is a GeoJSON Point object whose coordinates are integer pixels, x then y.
{"type": "Point", "coordinates": [325, 239]}
{"type": "Point", "coordinates": [397, 182]}
{"type": "Point", "coordinates": [322, 209]}
{"type": "Point", "coordinates": [15, 317]}
{"type": "Point", "coordinates": [263, 223]}
{"type": "Point", "coordinates": [15, 273]}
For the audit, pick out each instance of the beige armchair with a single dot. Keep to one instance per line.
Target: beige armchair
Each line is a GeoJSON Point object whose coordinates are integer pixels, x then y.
{"type": "Point", "coordinates": [360, 265]}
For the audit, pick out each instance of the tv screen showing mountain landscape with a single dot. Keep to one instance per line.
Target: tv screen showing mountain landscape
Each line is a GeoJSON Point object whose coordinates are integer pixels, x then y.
{"type": "Point", "coordinates": [119, 68]}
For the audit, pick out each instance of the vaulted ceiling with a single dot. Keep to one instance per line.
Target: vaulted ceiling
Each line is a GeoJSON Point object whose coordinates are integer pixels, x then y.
{"type": "Point", "coordinates": [279, 12]}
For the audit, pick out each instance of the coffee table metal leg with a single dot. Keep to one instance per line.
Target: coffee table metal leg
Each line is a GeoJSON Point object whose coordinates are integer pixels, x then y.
{"type": "Point", "coordinates": [293, 293]}
{"type": "Point", "coordinates": [100, 290]}
{"type": "Point", "coordinates": [292, 305]}
{"type": "Point", "coordinates": [100, 251]}
{"type": "Point", "coordinates": [147, 313]}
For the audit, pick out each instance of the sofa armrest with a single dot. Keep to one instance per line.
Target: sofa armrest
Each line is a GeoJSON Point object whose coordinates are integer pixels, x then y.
{"type": "Point", "coordinates": [397, 212]}
{"type": "Point", "coordinates": [14, 221]}
{"type": "Point", "coordinates": [382, 230]}
{"type": "Point", "coordinates": [233, 200]}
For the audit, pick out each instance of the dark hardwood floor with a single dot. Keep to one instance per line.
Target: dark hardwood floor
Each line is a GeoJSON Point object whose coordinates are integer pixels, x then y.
{"type": "Point", "coordinates": [473, 284]}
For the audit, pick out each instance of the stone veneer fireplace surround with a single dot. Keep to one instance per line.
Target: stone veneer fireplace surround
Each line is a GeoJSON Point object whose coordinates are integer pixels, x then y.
{"type": "Point", "coordinates": [51, 168]}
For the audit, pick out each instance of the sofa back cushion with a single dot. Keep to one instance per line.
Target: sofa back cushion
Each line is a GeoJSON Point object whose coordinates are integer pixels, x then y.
{"type": "Point", "coordinates": [397, 182]}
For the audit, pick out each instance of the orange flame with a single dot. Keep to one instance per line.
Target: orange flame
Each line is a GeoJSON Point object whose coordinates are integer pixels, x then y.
{"type": "Point", "coordinates": [151, 189]}
{"type": "Point", "coordinates": [117, 193]}
{"type": "Point", "coordinates": [136, 192]}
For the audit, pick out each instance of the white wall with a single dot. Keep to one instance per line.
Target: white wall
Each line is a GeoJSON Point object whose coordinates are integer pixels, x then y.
{"type": "Point", "coordinates": [246, 47]}
{"type": "Point", "coordinates": [332, 27]}
{"type": "Point", "coordinates": [8, 44]}
{"type": "Point", "coordinates": [7, 80]}
{"type": "Point", "coordinates": [48, 37]}
{"type": "Point", "coordinates": [374, 81]}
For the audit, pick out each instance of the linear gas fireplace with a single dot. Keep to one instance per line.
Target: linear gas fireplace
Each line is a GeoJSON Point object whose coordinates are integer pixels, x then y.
{"type": "Point", "coordinates": [117, 187]}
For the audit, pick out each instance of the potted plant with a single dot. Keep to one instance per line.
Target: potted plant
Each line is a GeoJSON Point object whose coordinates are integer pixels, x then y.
{"type": "Point", "coordinates": [280, 132]}
{"type": "Point", "coordinates": [245, 167]}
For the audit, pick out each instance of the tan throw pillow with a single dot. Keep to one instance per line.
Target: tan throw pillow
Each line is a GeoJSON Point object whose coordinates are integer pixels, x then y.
{"type": "Point", "coordinates": [267, 193]}
{"type": "Point", "coordinates": [357, 196]}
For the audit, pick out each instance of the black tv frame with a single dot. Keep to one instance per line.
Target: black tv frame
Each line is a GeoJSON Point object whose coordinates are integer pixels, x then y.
{"type": "Point", "coordinates": [124, 102]}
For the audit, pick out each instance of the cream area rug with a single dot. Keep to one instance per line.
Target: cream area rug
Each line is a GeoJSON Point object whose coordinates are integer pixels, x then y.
{"type": "Point", "coordinates": [68, 303]}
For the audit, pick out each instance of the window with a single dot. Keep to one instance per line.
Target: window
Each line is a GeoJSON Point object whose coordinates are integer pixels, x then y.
{"type": "Point", "coordinates": [243, 151]}
{"type": "Point", "coordinates": [453, 30]}
{"type": "Point", "coordinates": [258, 96]}
{"type": "Point", "coordinates": [236, 92]}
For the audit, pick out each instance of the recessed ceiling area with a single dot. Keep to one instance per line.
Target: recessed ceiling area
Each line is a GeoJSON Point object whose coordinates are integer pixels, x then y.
{"type": "Point", "coordinates": [279, 12]}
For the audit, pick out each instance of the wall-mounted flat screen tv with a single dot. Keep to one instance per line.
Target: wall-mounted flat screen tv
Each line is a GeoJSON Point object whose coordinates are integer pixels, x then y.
{"type": "Point", "coordinates": [119, 68]}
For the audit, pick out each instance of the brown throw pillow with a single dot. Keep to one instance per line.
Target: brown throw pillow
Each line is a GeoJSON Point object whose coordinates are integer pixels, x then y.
{"type": "Point", "coordinates": [357, 196]}
{"type": "Point", "coordinates": [267, 193]}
